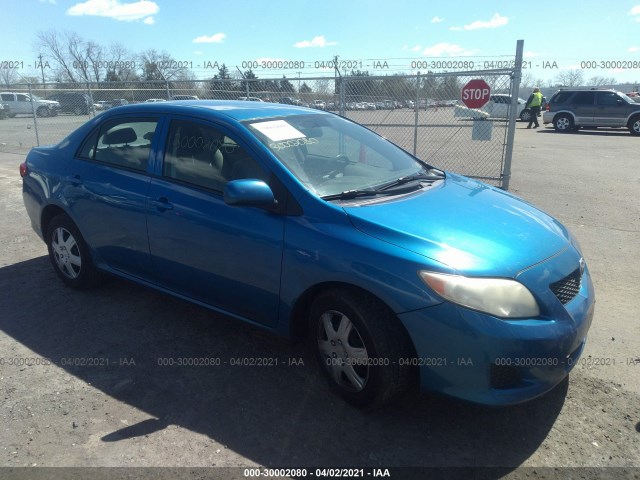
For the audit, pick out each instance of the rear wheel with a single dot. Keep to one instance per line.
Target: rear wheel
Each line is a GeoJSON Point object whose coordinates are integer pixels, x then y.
{"type": "Point", "coordinates": [634, 125]}
{"type": "Point", "coordinates": [563, 123]}
{"type": "Point", "coordinates": [69, 254]}
{"type": "Point", "coordinates": [359, 343]}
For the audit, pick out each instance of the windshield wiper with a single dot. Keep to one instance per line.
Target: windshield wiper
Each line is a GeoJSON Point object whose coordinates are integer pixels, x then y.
{"type": "Point", "coordinates": [349, 194]}
{"type": "Point", "coordinates": [429, 175]}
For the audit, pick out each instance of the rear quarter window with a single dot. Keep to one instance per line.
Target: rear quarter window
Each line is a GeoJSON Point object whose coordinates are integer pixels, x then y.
{"type": "Point", "coordinates": [560, 97]}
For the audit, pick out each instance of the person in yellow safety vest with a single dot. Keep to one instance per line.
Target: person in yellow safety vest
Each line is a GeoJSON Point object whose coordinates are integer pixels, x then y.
{"type": "Point", "coordinates": [533, 104]}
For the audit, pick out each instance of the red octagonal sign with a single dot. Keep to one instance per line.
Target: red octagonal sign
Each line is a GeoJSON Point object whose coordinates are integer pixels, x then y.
{"type": "Point", "coordinates": [475, 93]}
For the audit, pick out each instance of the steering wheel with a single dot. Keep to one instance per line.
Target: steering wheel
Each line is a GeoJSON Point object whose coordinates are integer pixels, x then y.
{"type": "Point", "coordinates": [338, 164]}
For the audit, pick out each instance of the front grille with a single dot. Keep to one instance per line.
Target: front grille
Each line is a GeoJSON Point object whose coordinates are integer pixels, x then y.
{"type": "Point", "coordinates": [567, 288]}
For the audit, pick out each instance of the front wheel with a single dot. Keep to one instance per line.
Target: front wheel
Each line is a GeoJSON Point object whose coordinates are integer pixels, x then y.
{"type": "Point", "coordinates": [43, 112]}
{"type": "Point", "coordinates": [525, 115]}
{"type": "Point", "coordinates": [563, 123]}
{"type": "Point", "coordinates": [69, 254]}
{"type": "Point", "coordinates": [634, 125]}
{"type": "Point", "coordinates": [359, 343]}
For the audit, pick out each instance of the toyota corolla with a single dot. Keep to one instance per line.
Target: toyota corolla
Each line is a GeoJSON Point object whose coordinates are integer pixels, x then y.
{"type": "Point", "coordinates": [312, 226]}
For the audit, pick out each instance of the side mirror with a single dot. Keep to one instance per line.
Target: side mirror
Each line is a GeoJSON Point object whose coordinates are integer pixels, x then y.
{"type": "Point", "coordinates": [620, 102]}
{"type": "Point", "coordinates": [248, 192]}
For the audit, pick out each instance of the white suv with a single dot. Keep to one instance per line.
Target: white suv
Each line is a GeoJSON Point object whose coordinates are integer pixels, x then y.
{"type": "Point", "coordinates": [21, 103]}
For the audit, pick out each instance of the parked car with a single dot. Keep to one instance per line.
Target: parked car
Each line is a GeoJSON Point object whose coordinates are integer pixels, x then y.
{"type": "Point", "coordinates": [250, 99]}
{"type": "Point", "coordinates": [184, 97]}
{"type": "Point", "coordinates": [290, 101]}
{"type": "Point", "coordinates": [26, 104]}
{"type": "Point", "coordinates": [77, 103]}
{"type": "Point", "coordinates": [153, 100]}
{"type": "Point", "coordinates": [572, 109]}
{"type": "Point", "coordinates": [5, 111]}
{"type": "Point", "coordinates": [319, 104]}
{"type": "Point", "coordinates": [117, 102]}
{"type": "Point", "coordinates": [102, 105]}
{"type": "Point", "coordinates": [499, 105]}
{"type": "Point", "coordinates": [311, 226]}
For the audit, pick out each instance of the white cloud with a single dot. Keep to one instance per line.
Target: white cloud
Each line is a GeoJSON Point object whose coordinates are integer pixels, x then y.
{"type": "Point", "coordinates": [126, 12]}
{"type": "Point", "coordinates": [446, 50]}
{"type": "Point", "coordinates": [496, 21]}
{"type": "Point", "coordinates": [417, 48]}
{"type": "Point", "coordinates": [633, 49]}
{"type": "Point", "coordinates": [149, 21]}
{"type": "Point", "coordinates": [52, 2]}
{"type": "Point", "coordinates": [216, 38]}
{"type": "Point", "coordinates": [635, 12]}
{"type": "Point", "coordinates": [318, 41]}
{"type": "Point", "coordinates": [437, 19]}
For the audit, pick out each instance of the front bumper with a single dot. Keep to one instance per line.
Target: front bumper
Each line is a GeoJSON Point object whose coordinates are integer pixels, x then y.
{"type": "Point", "coordinates": [484, 359]}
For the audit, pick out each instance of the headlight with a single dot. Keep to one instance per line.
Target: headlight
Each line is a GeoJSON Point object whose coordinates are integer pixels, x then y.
{"type": "Point", "coordinates": [498, 296]}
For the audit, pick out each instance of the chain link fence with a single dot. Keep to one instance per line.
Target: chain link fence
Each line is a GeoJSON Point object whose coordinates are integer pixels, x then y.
{"type": "Point", "coordinates": [421, 113]}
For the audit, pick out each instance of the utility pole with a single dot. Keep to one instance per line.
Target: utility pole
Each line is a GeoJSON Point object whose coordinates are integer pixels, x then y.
{"type": "Point", "coordinates": [44, 85]}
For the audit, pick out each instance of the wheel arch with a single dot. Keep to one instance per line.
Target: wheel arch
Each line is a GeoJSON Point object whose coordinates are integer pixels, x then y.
{"type": "Point", "coordinates": [48, 213]}
{"type": "Point", "coordinates": [298, 319]}
{"type": "Point", "coordinates": [564, 112]}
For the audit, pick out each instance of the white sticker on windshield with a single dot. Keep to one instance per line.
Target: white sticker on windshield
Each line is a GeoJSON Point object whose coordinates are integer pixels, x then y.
{"type": "Point", "coordinates": [277, 130]}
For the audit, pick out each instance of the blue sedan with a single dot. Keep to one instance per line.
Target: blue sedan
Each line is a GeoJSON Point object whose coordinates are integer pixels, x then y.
{"type": "Point", "coordinates": [312, 226]}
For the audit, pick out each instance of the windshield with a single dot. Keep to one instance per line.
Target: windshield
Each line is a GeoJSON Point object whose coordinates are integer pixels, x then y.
{"type": "Point", "coordinates": [625, 97]}
{"type": "Point", "coordinates": [331, 155]}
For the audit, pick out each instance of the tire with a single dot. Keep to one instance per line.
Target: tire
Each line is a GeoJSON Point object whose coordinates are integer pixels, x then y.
{"type": "Point", "coordinates": [43, 112]}
{"type": "Point", "coordinates": [69, 254]}
{"type": "Point", "coordinates": [634, 125]}
{"type": "Point", "coordinates": [525, 115]}
{"type": "Point", "coordinates": [563, 123]}
{"type": "Point", "coordinates": [358, 343]}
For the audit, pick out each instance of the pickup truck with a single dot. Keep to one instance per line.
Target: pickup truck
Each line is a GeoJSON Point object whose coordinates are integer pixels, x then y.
{"type": "Point", "coordinates": [21, 104]}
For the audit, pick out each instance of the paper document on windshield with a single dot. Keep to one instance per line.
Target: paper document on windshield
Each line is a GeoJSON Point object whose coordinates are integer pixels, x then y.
{"type": "Point", "coordinates": [278, 130]}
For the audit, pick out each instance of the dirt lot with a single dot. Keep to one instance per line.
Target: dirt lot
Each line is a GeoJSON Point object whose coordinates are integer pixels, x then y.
{"type": "Point", "coordinates": [107, 400]}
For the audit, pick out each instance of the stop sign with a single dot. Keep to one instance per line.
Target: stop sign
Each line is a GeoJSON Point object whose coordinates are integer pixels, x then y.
{"type": "Point", "coordinates": [475, 93]}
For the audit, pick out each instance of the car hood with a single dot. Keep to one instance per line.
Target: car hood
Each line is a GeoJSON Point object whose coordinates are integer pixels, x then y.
{"type": "Point", "coordinates": [468, 226]}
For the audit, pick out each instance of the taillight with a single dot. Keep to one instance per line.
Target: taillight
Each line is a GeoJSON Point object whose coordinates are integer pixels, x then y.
{"type": "Point", "coordinates": [23, 169]}
{"type": "Point", "coordinates": [548, 107]}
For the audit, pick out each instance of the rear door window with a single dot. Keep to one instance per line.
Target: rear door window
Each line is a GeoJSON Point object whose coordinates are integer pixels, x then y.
{"type": "Point", "coordinates": [122, 143]}
{"type": "Point", "coordinates": [584, 98]}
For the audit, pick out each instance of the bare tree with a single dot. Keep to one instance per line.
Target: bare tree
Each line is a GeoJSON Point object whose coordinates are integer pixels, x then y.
{"type": "Point", "coordinates": [598, 81]}
{"type": "Point", "coordinates": [121, 65]}
{"type": "Point", "coordinates": [9, 76]}
{"type": "Point", "coordinates": [54, 47]}
{"type": "Point", "coordinates": [570, 78]}
{"type": "Point", "coordinates": [162, 66]}
{"type": "Point", "coordinates": [527, 81]}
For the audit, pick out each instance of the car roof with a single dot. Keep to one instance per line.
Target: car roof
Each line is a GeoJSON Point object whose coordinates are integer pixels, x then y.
{"type": "Point", "coordinates": [237, 110]}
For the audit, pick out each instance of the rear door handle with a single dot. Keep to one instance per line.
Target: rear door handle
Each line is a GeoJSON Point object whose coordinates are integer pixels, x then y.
{"type": "Point", "coordinates": [162, 204]}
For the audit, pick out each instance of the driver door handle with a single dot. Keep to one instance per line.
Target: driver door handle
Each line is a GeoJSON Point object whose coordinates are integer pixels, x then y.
{"type": "Point", "coordinates": [162, 204]}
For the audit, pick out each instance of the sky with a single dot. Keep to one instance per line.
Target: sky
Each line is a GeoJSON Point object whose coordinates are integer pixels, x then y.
{"type": "Point", "coordinates": [301, 37]}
